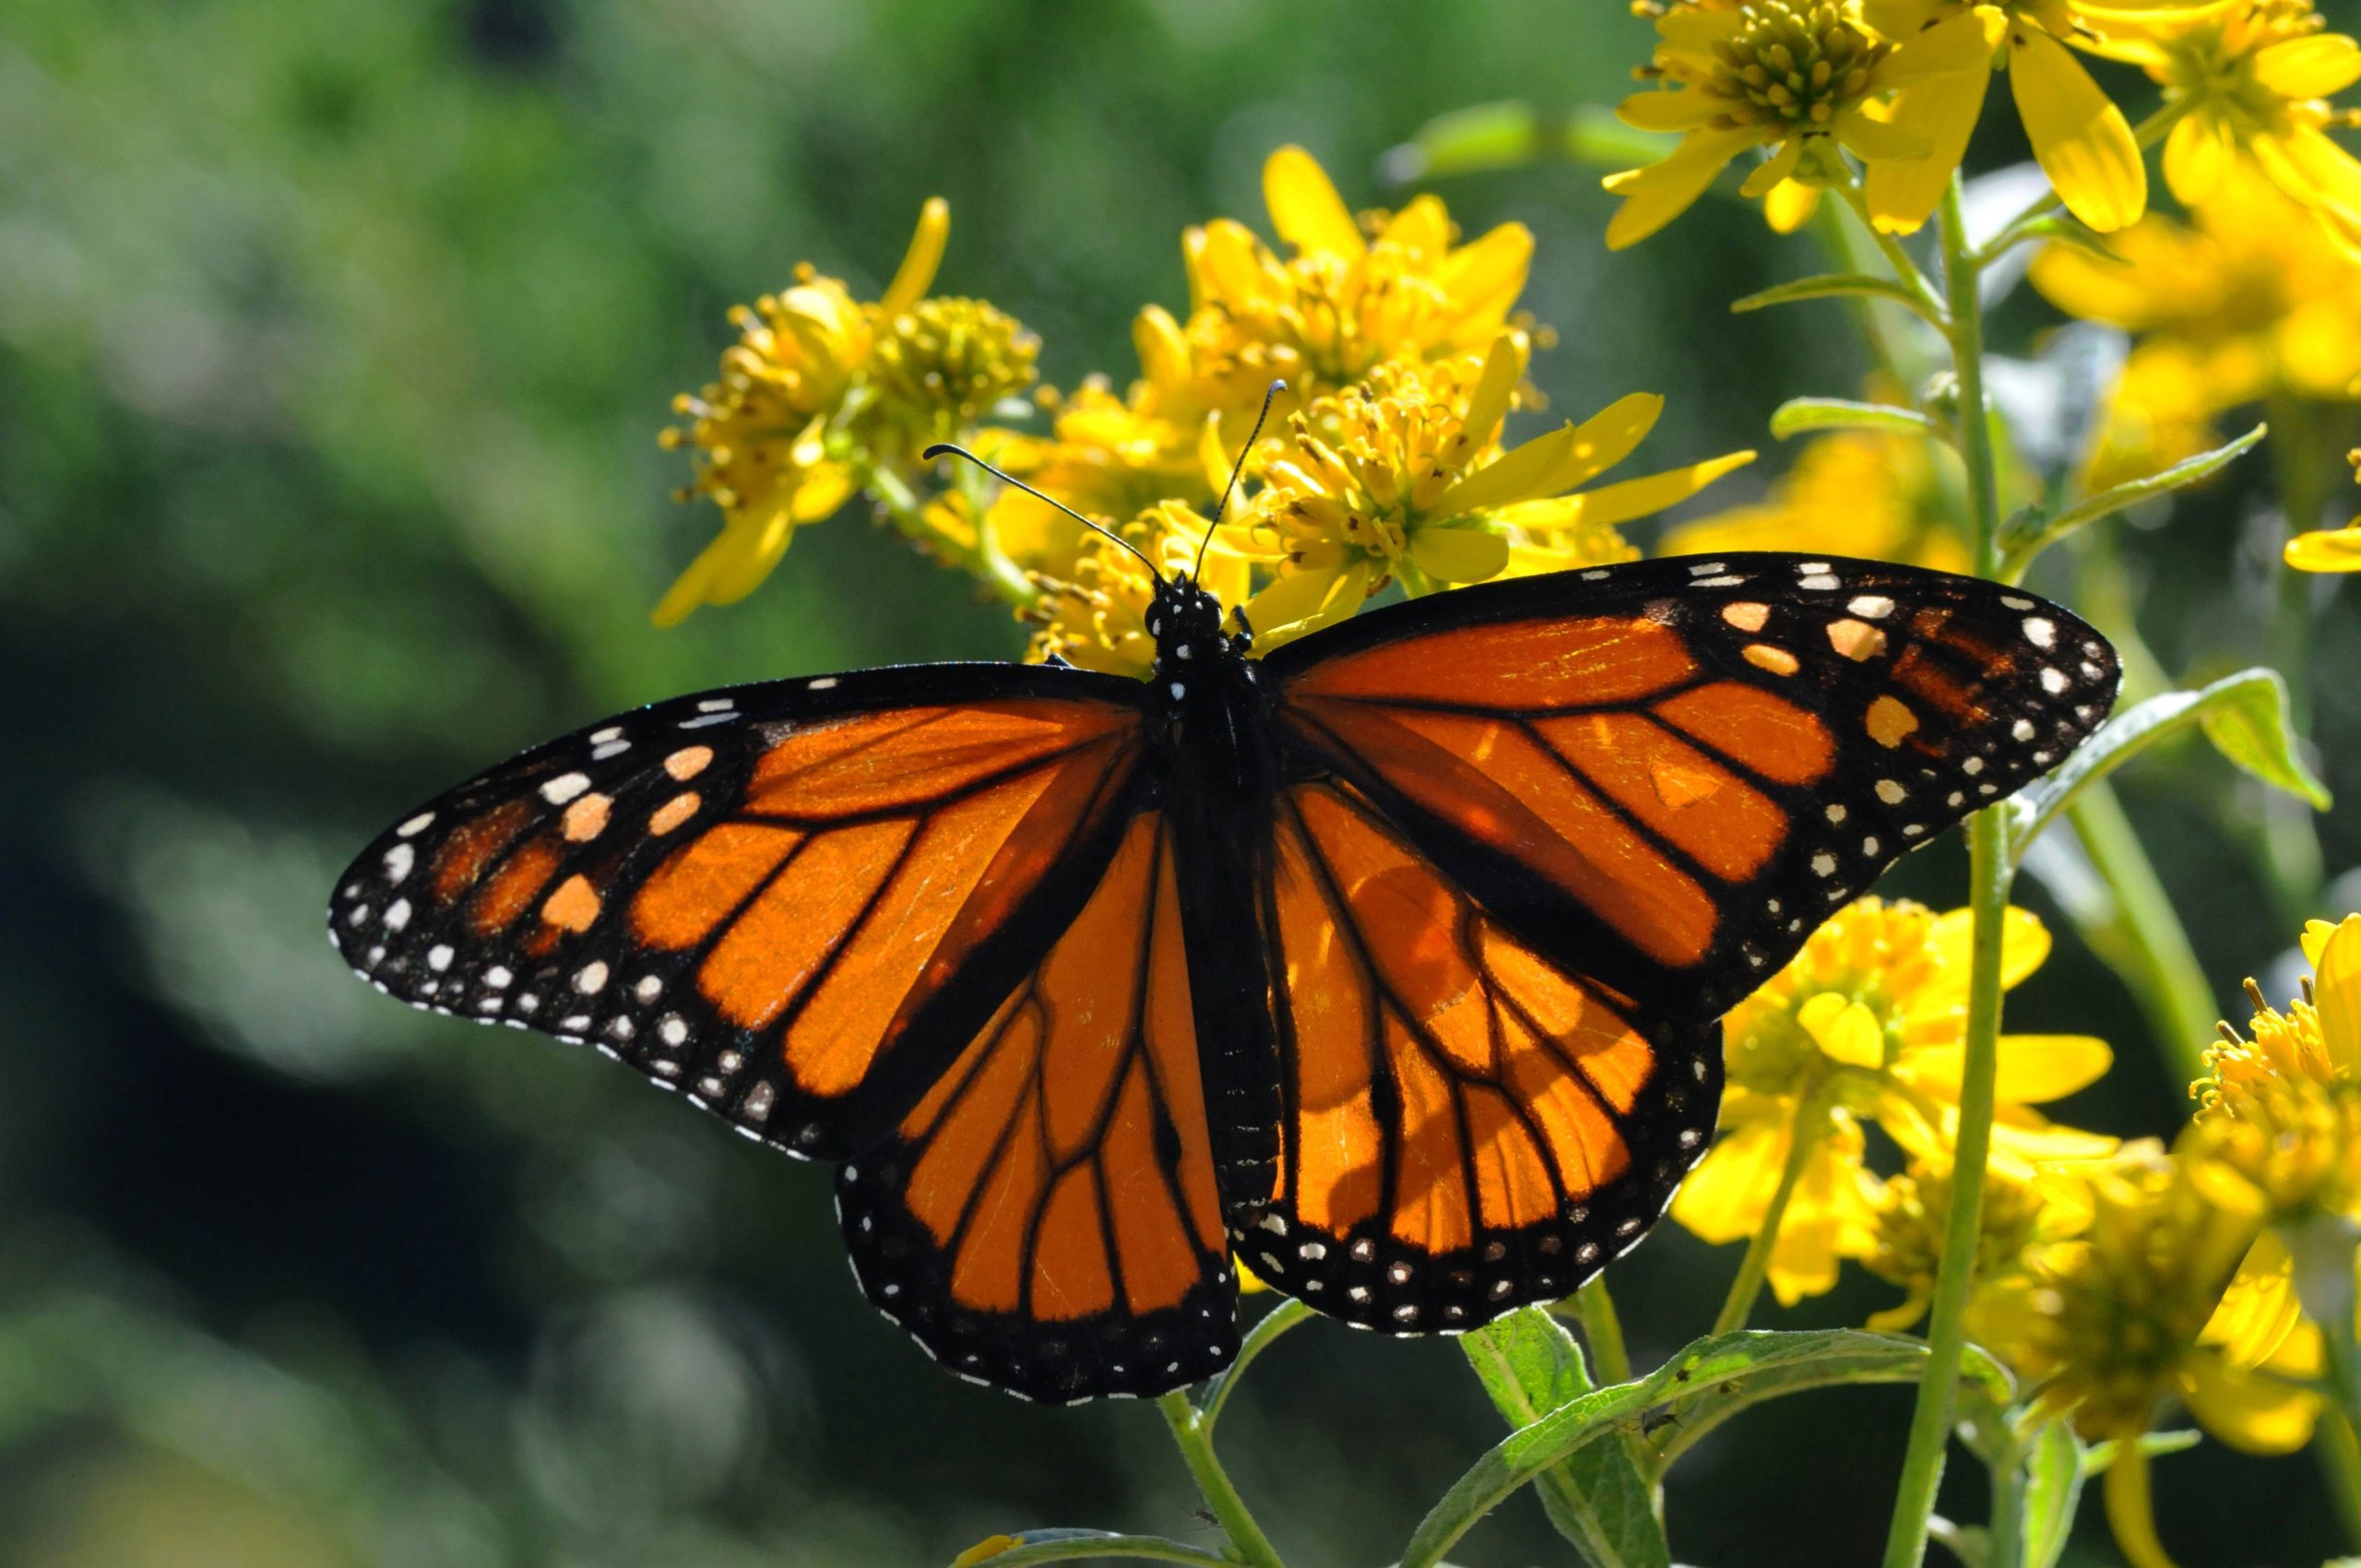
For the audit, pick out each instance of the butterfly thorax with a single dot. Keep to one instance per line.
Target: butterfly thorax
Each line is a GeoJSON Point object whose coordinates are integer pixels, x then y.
{"type": "Point", "coordinates": [1205, 690]}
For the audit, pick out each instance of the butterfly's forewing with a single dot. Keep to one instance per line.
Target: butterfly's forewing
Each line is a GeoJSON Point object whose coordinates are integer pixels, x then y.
{"type": "Point", "coordinates": [1469, 1128]}
{"type": "Point", "coordinates": [1044, 1221]}
{"type": "Point", "coordinates": [792, 901]}
{"type": "Point", "coordinates": [1665, 775]}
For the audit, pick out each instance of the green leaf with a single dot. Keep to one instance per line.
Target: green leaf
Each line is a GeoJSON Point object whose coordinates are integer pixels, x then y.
{"type": "Point", "coordinates": [2055, 1469]}
{"type": "Point", "coordinates": [2021, 545]}
{"type": "Point", "coordinates": [1716, 1376]}
{"type": "Point", "coordinates": [2100, 1457]}
{"type": "Point", "coordinates": [2246, 716]}
{"type": "Point", "coordinates": [1800, 415]}
{"type": "Point", "coordinates": [1966, 1542]}
{"type": "Point", "coordinates": [1074, 1546]}
{"type": "Point", "coordinates": [1837, 286]}
{"type": "Point", "coordinates": [1487, 136]}
{"type": "Point", "coordinates": [1596, 1498]}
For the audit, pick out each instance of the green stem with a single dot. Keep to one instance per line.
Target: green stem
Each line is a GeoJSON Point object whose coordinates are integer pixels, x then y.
{"type": "Point", "coordinates": [1594, 1310]}
{"type": "Point", "coordinates": [2340, 1457]}
{"type": "Point", "coordinates": [1922, 1465]}
{"type": "Point", "coordinates": [2146, 943]}
{"type": "Point", "coordinates": [1905, 270]}
{"type": "Point", "coordinates": [1811, 1122]}
{"type": "Point", "coordinates": [1259, 1338]}
{"type": "Point", "coordinates": [1195, 1441]}
{"type": "Point", "coordinates": [2004, 1544]}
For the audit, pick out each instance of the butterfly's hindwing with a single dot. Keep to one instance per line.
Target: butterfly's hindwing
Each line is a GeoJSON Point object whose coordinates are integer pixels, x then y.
{"type": "Point", "coordinates": [781, 899]}
{"type": "Point", "coordinates": [1046, 1219]}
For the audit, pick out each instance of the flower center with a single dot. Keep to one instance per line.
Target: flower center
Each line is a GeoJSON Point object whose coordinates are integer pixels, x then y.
{"type": "Point", "coordinates": [2214, 66]}
{"type": "Point", "coordinates": [1794, 65]}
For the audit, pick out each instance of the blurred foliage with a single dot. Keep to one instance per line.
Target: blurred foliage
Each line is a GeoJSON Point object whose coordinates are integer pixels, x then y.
{"type": "Point", "coordinates": [332, 343]}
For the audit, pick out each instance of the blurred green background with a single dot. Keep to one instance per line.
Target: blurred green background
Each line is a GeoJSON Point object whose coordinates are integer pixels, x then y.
{"type": "Point", "coordinates": [333, 340]}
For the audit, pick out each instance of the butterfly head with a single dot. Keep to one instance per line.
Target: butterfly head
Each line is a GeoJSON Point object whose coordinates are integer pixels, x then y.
{"type": "Point", "coordinates": [1186, 623]}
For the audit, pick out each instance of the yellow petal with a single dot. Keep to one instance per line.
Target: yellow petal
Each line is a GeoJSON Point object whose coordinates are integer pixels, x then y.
{"type": "Point", "coordinates": [2316, 934]}
{"type": "Point", "coordinates": [1657, 195]}
{"type": "Point", "coordinates": [1605, 439]}
{"type": "Point", "coordinates": [2024, 944]}
{"type": "Point", "coordinates": [2332, 550]}
{"type": "Point", "coordinates": [2033, 1069]}
{"type": "Point", "coordinates": [1487, 275]}
{"type": "Point", "coordinates": [1903, 195]}
{"type": "Point", "coordinates": [1683, 111]}
{"type": "Point", "coordinates": [1297, 603]}
{"type": "Point", "coordinates": [1514, 475]}
{"type": "Point", "coordinates": [1641, 497]}
{"type": "Point", "coordinates": [2249, 1412]}
{"type": "Point", "coordinates": [1790, 207]}
{"type": "Point", "coordinates": [2336, 993]}
{"type": "Point", "coordinates": [1459, 555]}
{"type": "Point", "coordinates": [2023, 1141]}
{"type": "Point", "coordinates": [1726, 1198]}
{"type": "Point", "coordinates": [729, 567]}
{"type": "Point", "coordinates": [1774, 170]}
{"type": "Point", "coordinates": [2259, 1309]}
{"type": "Point", "coordinates": [1958, 45]}
{"type": "Point", "coordinates": [1249, 1283]}
{"type": "Point", "coordinates": [2196, 156]}
{"type": "Point", "coordinates": [1421, 228]}
{"type": "Point", "coordinates": [1305, 207]}
{"type": "Point", "coordinates": [2316, 66]}
{"type": "Point", "coordinates": [994, 1546]}
{"type": "Point", "coordinates": [916, 274]}
{"type": "Point", "coordinates": [2082, 139]}
{"type": "Point", "coordinates": [1163, 351]}
{"type": "Point", "coordinates": [1877, 141]}
{"type": "Point", "coordinates": [1504, 367]}
{"type": "Point", "coordinates": [1844, 1029]}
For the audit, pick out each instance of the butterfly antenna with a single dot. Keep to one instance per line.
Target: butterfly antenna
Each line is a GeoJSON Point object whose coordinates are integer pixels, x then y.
{"type": "Point", "coordinates": [939, 448]}
{"type": "Point", "coordinates": [1269, 397]}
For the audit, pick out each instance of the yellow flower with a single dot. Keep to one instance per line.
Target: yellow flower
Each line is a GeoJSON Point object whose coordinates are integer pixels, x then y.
{"type": "Point", "coordinates": [1866, 1023]}
{"type": "Point", "coordinates": [2258, 299]}
{"type": "Point", "coordinates": [1878, 497]}
{"type": "Point", "coordinates": [2150, 1303]}
{"type": "Point", "coordinates": [2282, 1110]}
{"type": "Point", "coordinates": [2016, 1220]}
{"type": "Point", "coordinates": [1095, 615]}
{"type": "Point", "coordinates": [1801, 78]}
{"type": "Point", "coordinates": [1343, 302]}
{"type": "Point", "coordinates": [2329, 549]}
{"type": "Point", "coordinates": [818, 390]}
{"type": "Point", "coordinates": [1107, 456]}
{"type": "Point", "coordinates": [1402, 476]}
{"type": "Point", "coordinates": [2081, 138]}
{"type": "Point", "coordinates": [2248, 78]}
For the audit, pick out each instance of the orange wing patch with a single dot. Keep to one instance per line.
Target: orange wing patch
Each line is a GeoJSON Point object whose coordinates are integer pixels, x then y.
{"type": "Point", "coordinates": [1471, 1128]}
{"type": "Point", "coordinates": [1046, 1218]}
{"type": "Point", "coordinates": [1526, 664]}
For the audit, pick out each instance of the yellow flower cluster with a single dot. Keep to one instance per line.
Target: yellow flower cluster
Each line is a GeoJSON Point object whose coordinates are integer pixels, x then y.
{"type": "Point", "coordinates": [2113, 1281]}
{"type": "Point", "coordinates": [1403, 360]}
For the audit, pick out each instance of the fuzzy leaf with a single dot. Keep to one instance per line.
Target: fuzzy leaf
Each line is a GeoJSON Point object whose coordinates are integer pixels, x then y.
{"type": "Point", "coordinates": [1837, 286]}
{"type": "Point", "coordinates": [1799, 416]}
{"type": "Point", "coordinates": [1486, 137]}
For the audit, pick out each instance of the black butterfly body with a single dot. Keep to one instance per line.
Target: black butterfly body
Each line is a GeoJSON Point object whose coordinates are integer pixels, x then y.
{"type": "Point", "coordinates": [1388, 963]}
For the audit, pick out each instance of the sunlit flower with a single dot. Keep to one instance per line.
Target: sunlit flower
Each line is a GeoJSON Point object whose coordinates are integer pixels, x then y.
{"type": "Point", "coordinates": [2329, 549]}
{"type": "Point", "coordinates": [2282, 1102]}
{"type": "Point", "coordinates": [2164, 1296]}
{"type": "Point", "coordinates": [934, 371]}
{"type": "Point", "coordinates": [2258, 300]}
{"type": "Point", "coordinates": [1905, 1237]}
{"type": "Point", "coordinates": [1858, 494]}
{"type": "Point", "coordinates": [1798, 79]}
{"type": "Point", "coordinates": [1403, 477]}
{"type": "Point", "coordinates": [1095, 615]}
{"type": "Point", "coordinates": [1344, 301]}
{"type": "Point", "coordinates": [768, 449]}
{"type": "Point", "coordinates": [1867, 1023]}
{"type": "Point", "coordinates": [2248, 78]}
{"type": "Point", "coordinates": [2081, 138]}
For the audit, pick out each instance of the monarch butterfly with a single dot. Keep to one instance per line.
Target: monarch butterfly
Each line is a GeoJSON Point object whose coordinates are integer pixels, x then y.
{"type": "Point", "coordinates": [1389, 962]}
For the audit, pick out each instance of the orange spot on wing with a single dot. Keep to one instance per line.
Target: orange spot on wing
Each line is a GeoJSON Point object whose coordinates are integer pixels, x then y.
{"type": "Point", "coordinates": [1856, 640]}
{"type": "Point", "coordinates": [1890, 721]}
{"type": "Point", "coordinates": [574, 906]}
{"type": "Point", "coordinates": [512, 888]}
{"type": "Point", "coordinates": [1774, 737]}
{"type": "Point", "coordinates": [586, 818]}
{"type": "Point", "coordinates": [674, 813]}
{"type": "Point", "coordinates": [1514, 663]}
{"type": "Point", "coordinates": [1777, 661]}
{"type": "Point", "coordinates": [473, 844]}
{"type": "Point", "coordinates": [703, 880]}
{"type": "Point", "coordinates": [688, 762]}
{"type": "Point", "coordinates": [1936, 687]}
{"type": "Point", "coordinates": [1747, 617]}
